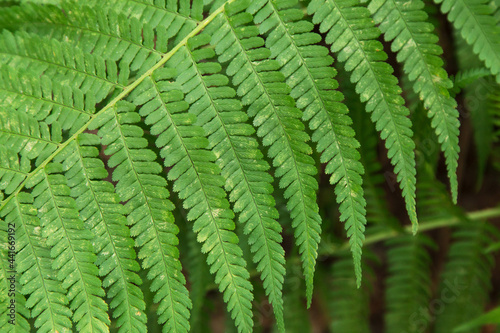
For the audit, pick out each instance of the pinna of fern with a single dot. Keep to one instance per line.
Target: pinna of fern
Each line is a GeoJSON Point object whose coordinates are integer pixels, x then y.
{"type": "Point", "coordinates": [215, 101]}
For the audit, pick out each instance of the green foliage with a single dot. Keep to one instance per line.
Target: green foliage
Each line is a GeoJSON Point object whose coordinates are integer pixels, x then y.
{"type": "Point", "coordinates": [413, 39]}
{"type": "Point", "coordinates": [353, 36]}
{"type": "Point", "coordinates": [348, 304]}
{"type": "Point", "coordinates": [235, 109]}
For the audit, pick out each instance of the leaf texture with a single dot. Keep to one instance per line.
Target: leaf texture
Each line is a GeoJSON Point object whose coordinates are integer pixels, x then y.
{"type": "Point", "coordinates": [47, 299]}
{"type": "Point", "coordinates": [353, 36]}
{"type": "Point", "coordinates": [100, 209]}
{"type": "Point", "coordinates": [25, 136]}
{"type": "Point", "coordinates": [241, 162]}
{"type": "Point", "coordinates": [62, 61]}
{"type": "Point", "coordinates": [478, 27]}
{"type": "Point", "coordinates": [70, 247]}
{"type": "Point", "coordinates": [263, 89]}
{"type": "Point", "coordinates": [199, 183]}
{"type": "Point", "coordinates": [148, 211]}
{"type": "Point", "coordinates": [307, 70]}
{"type": "Point", "coordinates": [45, 99]}
{"type": "Point", "coordinates": [405, 24]}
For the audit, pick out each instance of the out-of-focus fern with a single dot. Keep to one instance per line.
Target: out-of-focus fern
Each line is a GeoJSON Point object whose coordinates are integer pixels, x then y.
{"type": "Point", "coordinates": [478, 27]}
{"type": "Point", "coordinates": [408, 283]}
{"type": "Point", "coordinates": [349, 305]}
{"type": "Point", "coordinates": [465, 276]}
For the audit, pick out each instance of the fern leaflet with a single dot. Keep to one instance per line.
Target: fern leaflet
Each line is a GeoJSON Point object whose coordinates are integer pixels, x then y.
{"type": "Point", "coordinates": [412, 37]}
{"type": "Point", "coordinates": [352, 34]}
{"type": "Point", "coordinates": [148, 210]}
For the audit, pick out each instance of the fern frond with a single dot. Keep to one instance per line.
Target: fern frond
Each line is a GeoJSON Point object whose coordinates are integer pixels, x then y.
{"type": "Point", "coordinates": [465, 278]}
{"type": "Point", "coordinates": [104, 32]}
{"type": "Point", "coordinates": [408, 284]}
{"type": "Point", "coordinates": [25, 136]}
{"type": "Point", "coordinates": [240, 160]}
{"type": "Point", "coordinates": [102, 213]}
{"type": "Point", "coordinates": [13, 171]}
{"type": "Point", "coordinates": [405, 24]}
{"type": "Point", "coordinates": [377, 211]}
{"type": "Point", "coordinates": [70, 247]}
{"type": "Point", "coordinates": [467, 76]}
{"type": "Point", "coordinates": [293, 298]}
{"type": "Point", "coordinates": [61, 61]}
{"type": "Point", "coordinates": [47, 299]}
{"type": "Point", "coordinates": [348, 304]}
{"type": "Point", "coordinates": [45, 99]}
{"type": "Point", "coordinates": [148, 210]}
{"type": "Point", "coordinates": [478, 27]}
{"type": "Point", "coordinates": [353, 35]}
{"type": "Point", "coordinates": [311, 78]}
{"type": "Point", "coordinates": [263, 89]}
{"type": "Point", "coordinates": [466, 275]}
{"type": "Point", "coordinates": [198, 181]}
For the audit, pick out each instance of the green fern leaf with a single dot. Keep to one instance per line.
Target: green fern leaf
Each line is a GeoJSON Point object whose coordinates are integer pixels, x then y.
{"type": "Point", "coordinates": [353, 36]}
{"type": "Point", "coordinates": [308, 73]}
{"type": "Point", "coordinates": [148, 210]}
{"type": "Point", "coordinates": [45, 99]}
{"type": "Point", "coordinates": [198, 181]}
{"type": "Point", "coordinates": [377, 210]}
{"type": "Point", "coordinates": [348, 304]}
{"type": "Point", "coordinates": [247, 181]}
{"type": "Point", "coordinates": [478, 27]}
{"type": "Point", "coordinates": [70, 247]}
{"type": "Point", "coordinates": [405, 24]}
{"type": "Point", "coordinates": [62, 61]}
{"type": "Point", "coordinates": [466, 77]}
{"type": "Point", "coordinates": [102, 213]}
{"type": "Point", "coordinates": [264, 90]}
{"type": "Point", "coordinates": [47, 300]}
{"type": "Point", "coordinates": [408, 284]}
{"type": "Point", "coordinates": [465, 277]}
{"type": "Point", "coordinates": [103, 31]}
{"type": "Point", "coordinates": [293, 299]}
